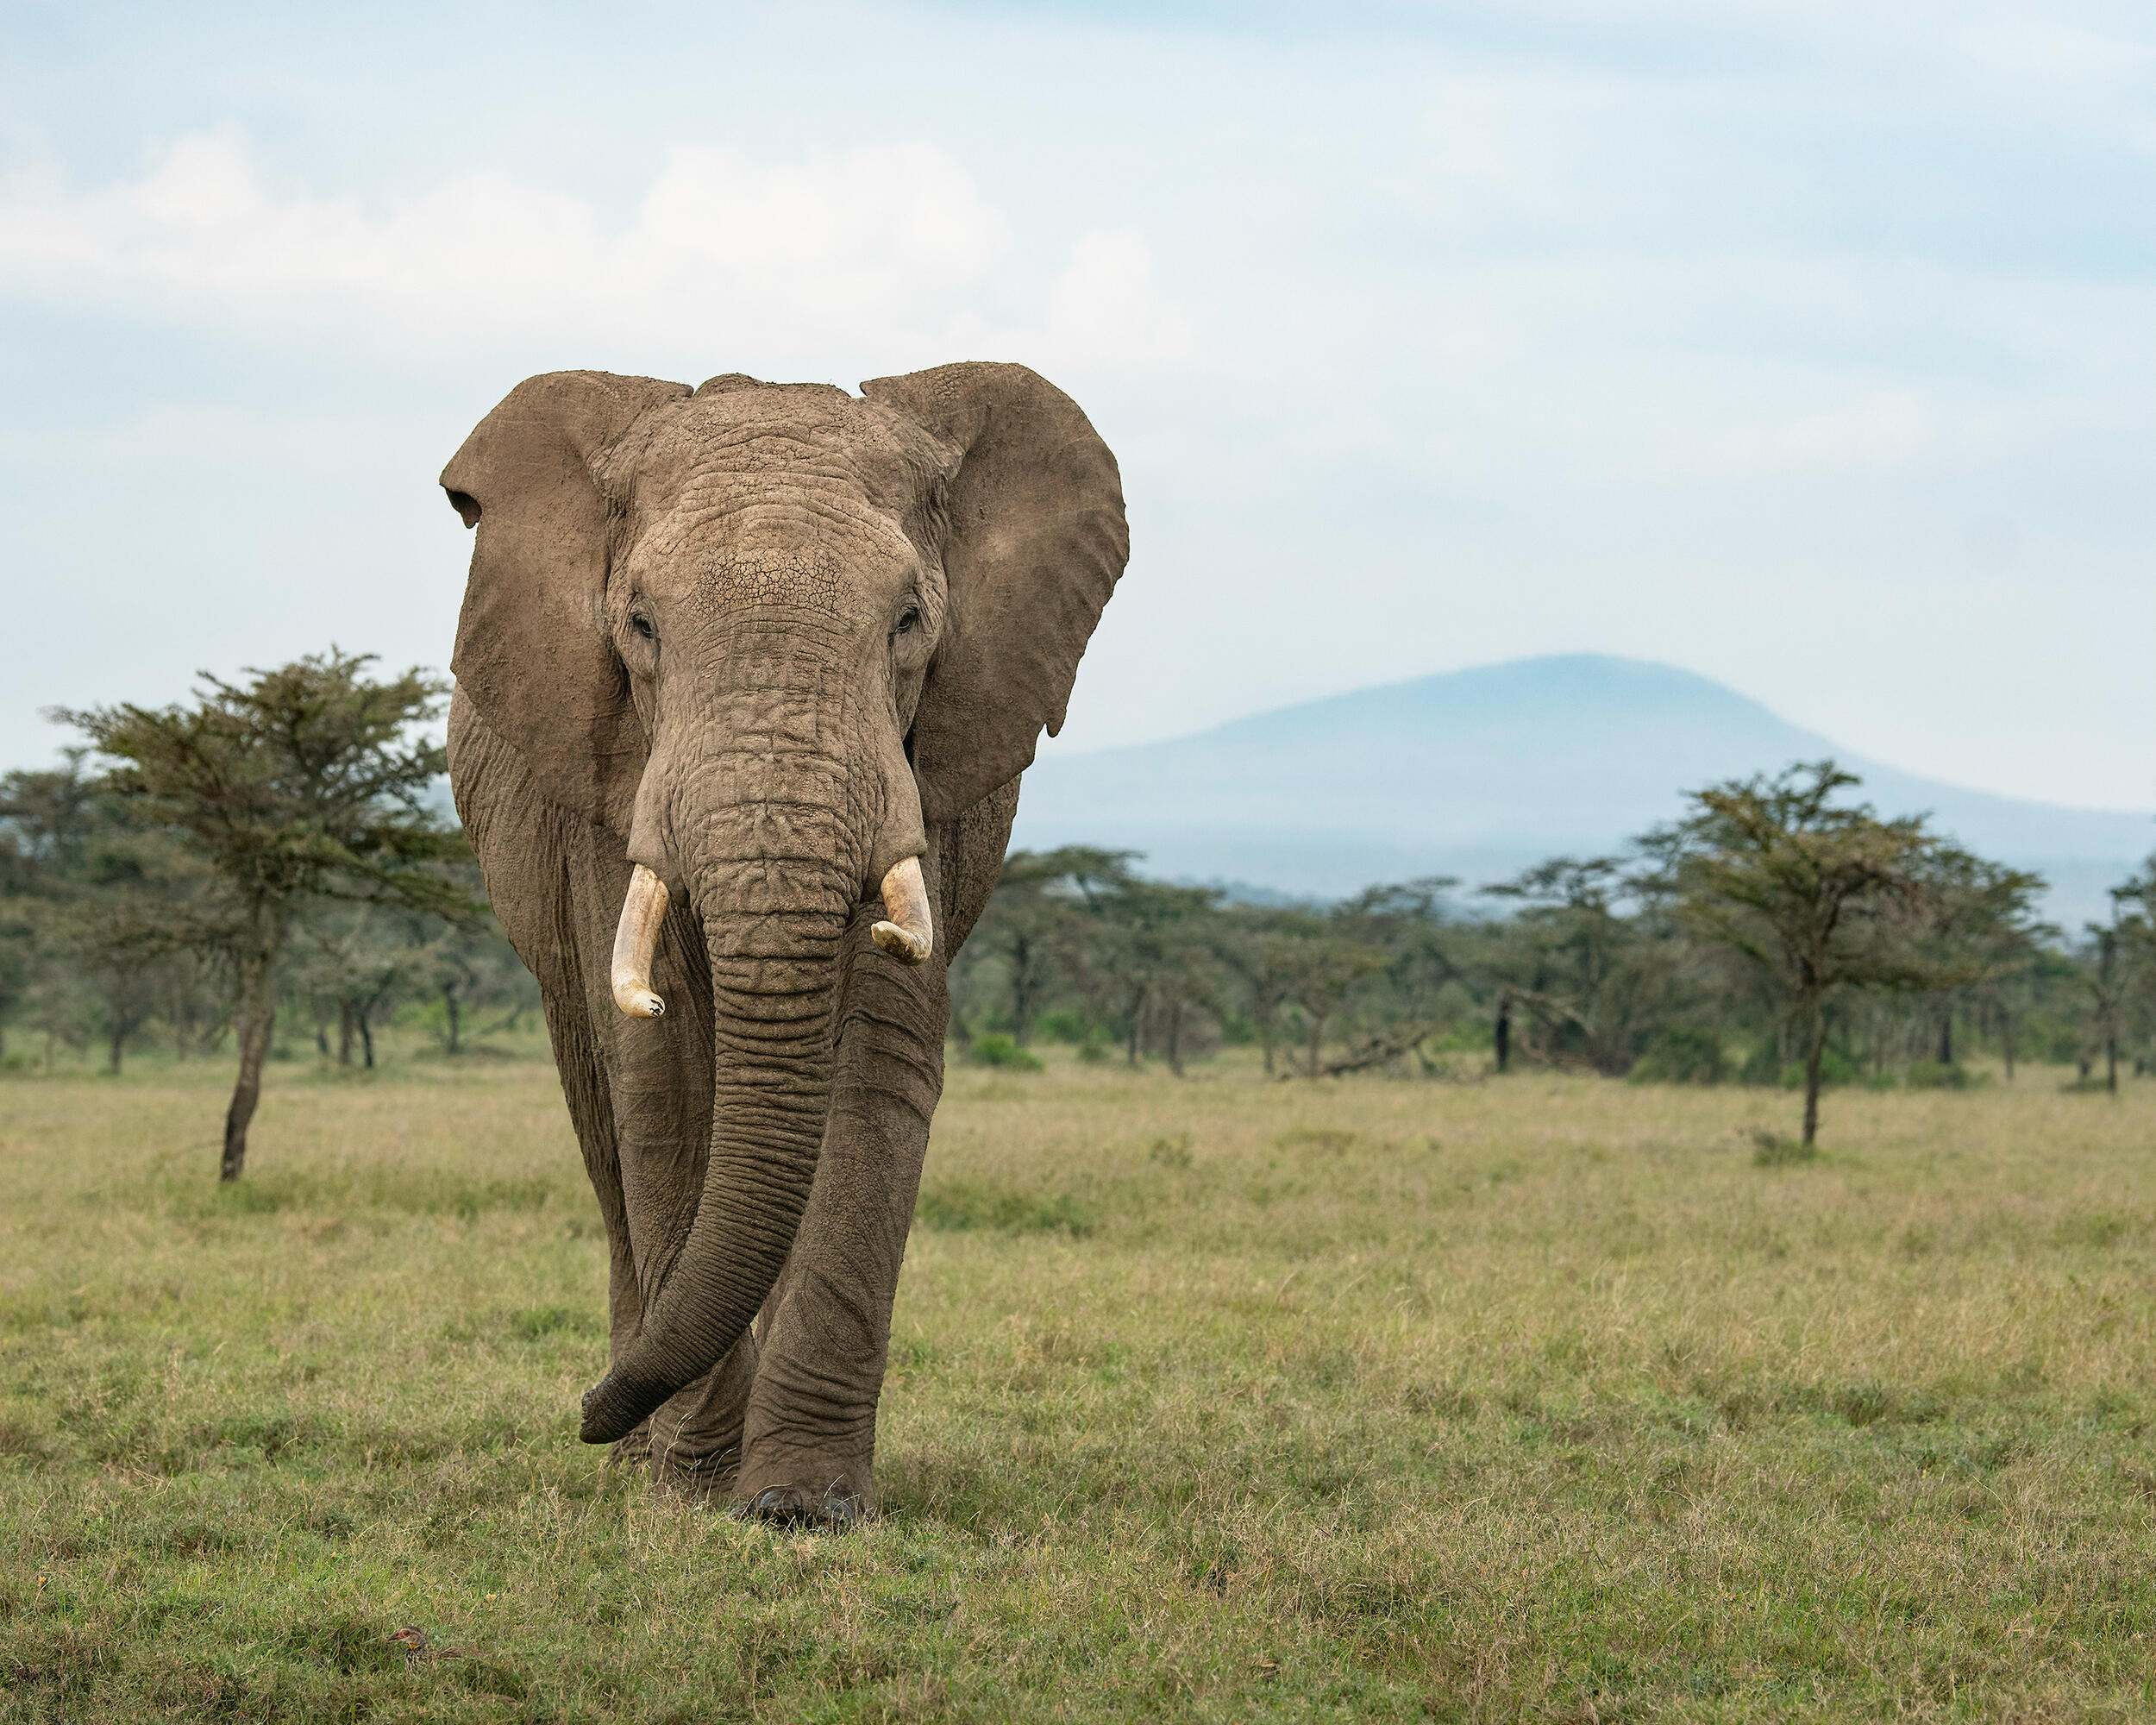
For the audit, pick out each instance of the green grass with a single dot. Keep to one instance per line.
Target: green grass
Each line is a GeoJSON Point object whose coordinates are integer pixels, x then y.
{"type": "Point", "coordinates": [1214, 1400]}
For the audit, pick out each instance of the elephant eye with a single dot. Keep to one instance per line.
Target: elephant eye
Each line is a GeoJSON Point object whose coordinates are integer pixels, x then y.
{"type": "Point", "coordinates": [642, 624]}
{"type": "Point", "coordinates": [909, 620]}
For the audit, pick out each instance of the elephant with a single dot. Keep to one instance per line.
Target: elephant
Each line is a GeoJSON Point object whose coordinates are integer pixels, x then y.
{"type": "Point", "coordinates": [746, 676]}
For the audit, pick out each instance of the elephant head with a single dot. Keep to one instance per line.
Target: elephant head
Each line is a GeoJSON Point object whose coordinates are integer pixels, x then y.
{"type": "Point", "coordinates": [767, 634]}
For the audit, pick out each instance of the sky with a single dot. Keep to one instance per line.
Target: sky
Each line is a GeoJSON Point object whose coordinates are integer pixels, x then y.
{"type": "Point", "coordinates": [1804, 343]}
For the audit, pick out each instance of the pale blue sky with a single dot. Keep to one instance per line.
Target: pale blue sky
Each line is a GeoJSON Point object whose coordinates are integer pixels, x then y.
{"type": "Point", "coordinates": [1811, 345]}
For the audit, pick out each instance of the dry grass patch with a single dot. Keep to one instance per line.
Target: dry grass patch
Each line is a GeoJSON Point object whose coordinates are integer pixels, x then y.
{"type": "Point", "coordinates": [1217, 1400]}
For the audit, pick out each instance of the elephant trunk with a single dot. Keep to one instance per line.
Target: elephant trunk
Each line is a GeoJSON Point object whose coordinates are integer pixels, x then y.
{"type": "Point", "coordinates": [772, 944]}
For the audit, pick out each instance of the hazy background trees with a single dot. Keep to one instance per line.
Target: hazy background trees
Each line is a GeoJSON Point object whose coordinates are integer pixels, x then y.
{"type": "Point", "coordinates": [272, 863]}
{"type": "Point", "coordinates": [1781, 932]}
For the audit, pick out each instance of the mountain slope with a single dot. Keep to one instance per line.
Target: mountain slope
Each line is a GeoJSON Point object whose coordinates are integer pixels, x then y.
{"type": "Point", "coordinates": [1479, 773]}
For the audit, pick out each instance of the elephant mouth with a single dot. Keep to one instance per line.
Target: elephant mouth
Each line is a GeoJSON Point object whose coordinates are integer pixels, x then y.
{"type": "Point", "coordinates": [907, 931]}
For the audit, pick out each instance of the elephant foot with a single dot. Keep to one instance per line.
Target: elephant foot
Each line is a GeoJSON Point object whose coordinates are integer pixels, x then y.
{"type": "Point", "coordinates": [837, 1510]}
{"type": "Point", "coordinates": [796, 1484]}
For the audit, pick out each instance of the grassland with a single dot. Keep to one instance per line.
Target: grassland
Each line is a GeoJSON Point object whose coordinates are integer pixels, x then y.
{"type": "Point", "coordinates": [1215, 1400]}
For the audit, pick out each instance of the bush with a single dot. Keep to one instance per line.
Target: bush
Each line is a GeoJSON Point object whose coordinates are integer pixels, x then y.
{"type": "Point", "coordinates": [2065, 1047]}
{"type": "Point", "coordinates": [995, 1049]}
{"type": "Point", "coordinates": [1094, 1049]}
{"type": "Point", "coordinates": [1771, 1149]}
{"type": "Point", "coordinates": [1682, 1055]}
{"type": "Point", "coordinates": [970, 1205]}
{"type": "Point", "coordinates": [1931, 1076]}
{"type": "Point", "coordinates": [1835, 1069]}
{"type": "Point", "coordinates": [1064, 1024]}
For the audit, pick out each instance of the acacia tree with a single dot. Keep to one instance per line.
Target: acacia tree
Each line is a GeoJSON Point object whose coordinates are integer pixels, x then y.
{"type": "Point", "coordinates": [1804, 889]}
{"type": "Point", "coordinates": [1258, 945]}
{"type": "Point", "coordinates": [304, 782]}
{"type": "Point", "coordinates": [1036, 916]}
{"type": "Point", "coordinates": [358, 960]}
{"type": "Point", "coordinates": [80, 879]}
{"type": "Point", "coordinates": [1324, 966]}
{"type": "Point", "coordinates": [1975, 930]}
{"type": "Point", "coordinates": [1170, 959]}
{"type": "Point", "coordinates": [2115, 959]}
{"type": "Point", "coordinates": [1392, 952]}
{"type": "Point", "coordinates": [44, 820]}
{"type": "Point", "coordinates": [1145, 954]}
{"type": "Point", "coordinates": [1588, 959]}
{"type": "Point", "coordinates": [2133, 916]}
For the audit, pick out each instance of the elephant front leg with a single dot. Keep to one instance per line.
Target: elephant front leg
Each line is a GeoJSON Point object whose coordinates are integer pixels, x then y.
{"type": "Point", "coordinates": [809, 1445]}
{"type": "Point", "coordinates": [694, 1440]}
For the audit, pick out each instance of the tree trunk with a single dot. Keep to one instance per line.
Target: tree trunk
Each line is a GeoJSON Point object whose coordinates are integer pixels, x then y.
{"type": "Point", "coordinates": [367, 1039]}
{"type": "Point", "coordinates": [2111, 1062]}
{"type": "Point", "coordinates": [1815, 1046]}
{"type": "Point", "coordinates": [112, 1057]}
{"type": "Point", "coordinates": [1946, 1036]}
{"type": "Point", "coordinates": [1021, 991]}
{"type": "Point", "coordinates": [1501, 1036]}
{"type": "Point", "coordinates": [1265, 1039]}
{"type": "Point", "coordinates": [345, 1028]}
{"type": "Point", "coordinates": [256, 1018]}
{"type": "Point", "coordinates": [1317, 1040]}
{"type": "Point", "coordinates": [1175, 1037]}
{"type": "Point", "coordinates": [456, 1017]}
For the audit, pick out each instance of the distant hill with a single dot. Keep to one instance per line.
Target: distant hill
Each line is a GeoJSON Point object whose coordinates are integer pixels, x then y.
{"type": "Point", "coordinates": [1480, 773]}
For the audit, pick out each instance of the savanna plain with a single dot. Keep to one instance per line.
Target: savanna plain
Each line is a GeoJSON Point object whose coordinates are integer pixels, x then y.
{"type": "Point", "coordinates": [1220, 1399]}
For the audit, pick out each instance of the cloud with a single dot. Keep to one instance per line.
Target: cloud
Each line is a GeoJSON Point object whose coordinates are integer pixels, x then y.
{"type": "Point", "coordinates": [1879, 429]}
{"type": "Point", "coordinates": [1105, 304]}
{"type": "Point", "coordinates": [884, 249]}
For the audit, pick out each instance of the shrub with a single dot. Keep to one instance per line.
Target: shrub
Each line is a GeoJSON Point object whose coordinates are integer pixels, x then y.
{"type": "Point", "coordinates": [1064, 1024]}
{"type": "Point", "coordinates": [1932, 1076]}
{"type": "Point", "coordinates": [1170, 1152]}
{"type": "Point", "coordinates": [1682, 1055]}
{"type": "Point", "coordinates": [1094, 1049]}
{"type": "Point", "coordinates": [1835, 1069]}
{"type": "Point", "coordinates": [1326, 1140]}
{"type": "Point", "coordinates": [969, 1206]}
{"type": "Point", "coordinates": [1771, 1149]}
{"type": "Point", "coordinates": [995, 1049]}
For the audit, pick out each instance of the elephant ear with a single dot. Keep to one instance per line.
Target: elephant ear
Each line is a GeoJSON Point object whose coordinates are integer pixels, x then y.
{"type": "Point", "coordinates": [532, 651]}
{"type": "Point", "coordinates": [1035, 542]}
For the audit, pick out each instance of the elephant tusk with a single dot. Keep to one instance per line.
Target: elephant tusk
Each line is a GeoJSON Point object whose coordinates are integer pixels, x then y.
{"type": "Point", "coordinates": [910, 932]}
{"type": "Point", "coordinates": [643, 908]}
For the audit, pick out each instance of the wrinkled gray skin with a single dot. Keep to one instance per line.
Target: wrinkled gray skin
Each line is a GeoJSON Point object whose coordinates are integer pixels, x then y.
{"type": "Point", "coordinates": [766, 640]}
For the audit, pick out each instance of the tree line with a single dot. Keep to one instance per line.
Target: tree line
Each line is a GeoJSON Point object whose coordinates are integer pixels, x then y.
{"type": "Point", "coordinates": [274, 849]}
{"type": "Point", "coordinates": [1781, 930]}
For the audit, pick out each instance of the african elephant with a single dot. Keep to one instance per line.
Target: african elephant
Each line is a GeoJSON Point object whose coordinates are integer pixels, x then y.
{"type": "Point", "coordinates": [734, 664]}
